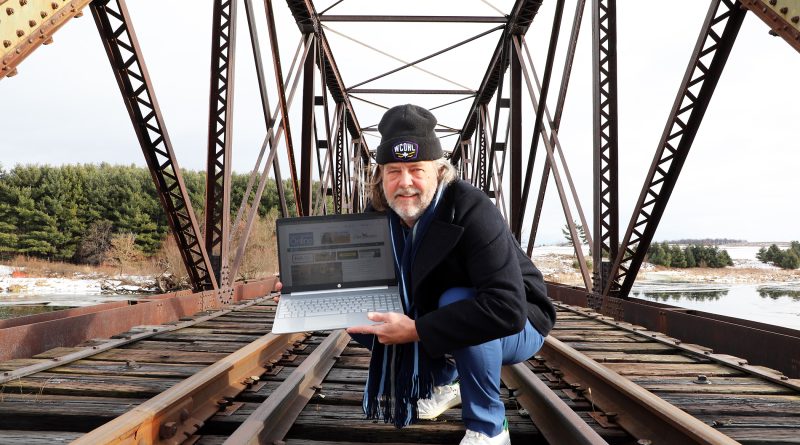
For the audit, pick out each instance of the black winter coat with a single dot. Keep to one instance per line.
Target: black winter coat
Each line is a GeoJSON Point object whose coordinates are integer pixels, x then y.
{"type": "Point", "coordinates": [468, 244]}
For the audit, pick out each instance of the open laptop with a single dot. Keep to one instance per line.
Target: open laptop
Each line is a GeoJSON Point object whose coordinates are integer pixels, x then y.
{"type": "Point", "coordinates": [334, 270]}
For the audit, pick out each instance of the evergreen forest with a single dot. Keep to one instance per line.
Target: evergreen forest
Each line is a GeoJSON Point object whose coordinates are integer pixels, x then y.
{"type": "Point", "coordinates": [72, 212]}
{"type": "Point", "coordinates": [667, 255]}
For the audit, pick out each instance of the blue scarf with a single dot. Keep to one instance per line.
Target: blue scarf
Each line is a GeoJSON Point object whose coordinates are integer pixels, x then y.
{"type": "Point", "coordinates": [399, 375]}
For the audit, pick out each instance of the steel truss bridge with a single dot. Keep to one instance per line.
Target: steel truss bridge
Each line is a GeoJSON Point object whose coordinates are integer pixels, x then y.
{"type": "Point", "coordinates": [322, 148]}
{"type": "Point", "coordinates": [493, 149]}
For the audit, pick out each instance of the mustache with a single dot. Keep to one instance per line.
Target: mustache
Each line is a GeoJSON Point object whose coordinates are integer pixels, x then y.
{"type": "Point", "coordinates": [407, 191]}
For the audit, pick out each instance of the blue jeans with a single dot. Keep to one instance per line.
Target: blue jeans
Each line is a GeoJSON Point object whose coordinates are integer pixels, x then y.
{"type": "Point", "coordinates": [478, 369]}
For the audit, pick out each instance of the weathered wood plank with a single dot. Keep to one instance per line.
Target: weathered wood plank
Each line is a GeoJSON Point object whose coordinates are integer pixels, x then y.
{"type": "Point", "coordinates": [160, 356]}
{"type": "Point", "coordinates": [622, 356]}
{"type": "Point", "coordinates": [672, 369]}
{"type": "Point", "coordinates": [89, 385]}
{"type": "Point", "coordinates": [198, 346]}
{"type": "Point", "coordinates": [60, 413]}
{"type": "Point", "coordinates": [735, 404]}
{"type": "Point", "coordinates": [16, 437]}
{"type": "Point", "coordinates": [718, 385]}
{"type": "Point", "coordinates": [651, 347]}
{"type": "Point", "coordinates": [204, 336]}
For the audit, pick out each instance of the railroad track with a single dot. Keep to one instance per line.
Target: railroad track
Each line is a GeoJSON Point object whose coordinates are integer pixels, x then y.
{"type": "Point", "coordinates": [222, 378]}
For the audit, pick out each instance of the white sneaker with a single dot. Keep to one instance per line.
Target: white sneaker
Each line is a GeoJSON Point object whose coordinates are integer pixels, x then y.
{"type": "Point", "coordinates": [442, 398]}
{"type": "Point", "coordinates": [476, 438]}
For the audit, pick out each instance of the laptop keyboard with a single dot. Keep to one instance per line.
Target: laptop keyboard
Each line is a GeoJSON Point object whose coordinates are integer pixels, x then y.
{"type": "Point", "coordinates": [333, 305]}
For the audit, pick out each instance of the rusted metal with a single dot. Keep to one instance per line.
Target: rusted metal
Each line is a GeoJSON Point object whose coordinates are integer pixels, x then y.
{"type": "Point", "coordinates": [276, 63]}
{"type": "Point", "coordinates": [27, 25]}
{"type": "Point", "coordinates": [557, 421]}
{"type": "Point", "coordinates": [123, 52]}
{"type": "Point", "coordinates": [606, 140]}
{"type": "Point", "coordinates": [273, 144]}
{"type": "Point", "coordinates": [274, 417]}
{"type": "Point", "coordinates": [555, 125]}
{"type": "Point", "coordinates": [220, 137]}
{"type": "Point", "coordinates": [88, 351]}
{"type": "Point", "coordinates": [557, 176]}
{"type": "Point", "coordinates": [192, 401]}
{"type": "Point", "coordinates": [639, 411]}
{"type": "Point", "coordinates": [676, 141]}
{"type": "Point", "coordinates": [782, 16]}
{"type": "Point", "coordinates": [29, 336]}
{"type": "Point", "coordinates": [540, 109]}
{"type": "Point", "coordinates": [519, 20]}
{"type": "Point", "coordinates": [515, 182]}
{"type": "Point", "coordinates": [308, 133]}
{"type": "Point", "coordinates": [308, 21]}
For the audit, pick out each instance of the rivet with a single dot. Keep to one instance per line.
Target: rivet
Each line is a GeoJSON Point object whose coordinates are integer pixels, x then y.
{"type": "Point", "coordinates": [10, 11]}
{"type": "Point", "coordinates": [795, 19]}
{"type": "Point", "coordinates": [784, 10]}
{"type": "Point", "coordinates": [773, 2]}
{"type": "Point", "coordinates": [23, 2]}
{"type": "Point", "coordinates": [54, 5]}
{"type": "Point", "coordinates": [43, 14]}
{"type": "Point", "coordinates": [167, 430]}
{"type": "Point", "coordinates": [31, 23]}
{"type": "Point", "coordinates": [20, 33]}
{"type": "Point", "coordinates": [6, 43]}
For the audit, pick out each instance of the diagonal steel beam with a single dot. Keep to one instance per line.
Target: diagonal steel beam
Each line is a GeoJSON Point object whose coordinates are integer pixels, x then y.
{"type": "Point", "coordinates": [220, 134]}
{"type": "Point", "coordinates": [114, 24]}
{"type": "Point", "coordinates": [714, 44]}
{"type": "Point", "coordinates": [519, 20]}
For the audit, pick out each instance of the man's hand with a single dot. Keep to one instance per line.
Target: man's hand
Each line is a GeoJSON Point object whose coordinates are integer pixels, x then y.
{"type": "Point", "coordinates": [278, 287]}
{"type": "Point", "coordinates": [396, 328]}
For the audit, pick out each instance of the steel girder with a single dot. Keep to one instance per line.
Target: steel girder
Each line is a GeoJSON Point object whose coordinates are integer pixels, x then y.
{"type": "Point", "coordinates": [122, 48]}
{"type": "Point", "coordinates": [220, 123]}
{"type": "Point", "coordinates": [518, 21]}
{"type": "Point", "coordinates": [694, 95]}
{"type": "Point", "coordinates": [783, 16]}
{"type": "Point", "coordinates": [606, 140]}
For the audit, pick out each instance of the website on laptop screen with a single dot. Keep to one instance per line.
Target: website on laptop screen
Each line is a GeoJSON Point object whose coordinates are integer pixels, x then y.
{"type": "Point", "coordinates": [335, 251]}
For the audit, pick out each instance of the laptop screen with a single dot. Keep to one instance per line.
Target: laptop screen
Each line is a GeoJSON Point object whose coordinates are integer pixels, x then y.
{"type": "Point", "coordinates": [335, 252]}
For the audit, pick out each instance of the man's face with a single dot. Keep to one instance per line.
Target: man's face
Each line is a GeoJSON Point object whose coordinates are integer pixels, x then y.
{"type": "Point", "coordinates": [409, 188]}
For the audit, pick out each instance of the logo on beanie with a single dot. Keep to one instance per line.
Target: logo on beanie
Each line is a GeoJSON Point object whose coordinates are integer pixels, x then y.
{"type": "Point", "coordinates": [405, 151]}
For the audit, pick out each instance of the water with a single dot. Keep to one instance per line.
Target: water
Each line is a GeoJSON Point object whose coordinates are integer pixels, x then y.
{"type": "Point", "coordinates": [20, 305]}
{"type": "Point", "coordinates": [776, 304]}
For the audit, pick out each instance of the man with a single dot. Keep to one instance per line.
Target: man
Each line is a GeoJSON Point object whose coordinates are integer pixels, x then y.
{"type": "Point", "coordinates": [469, 290]}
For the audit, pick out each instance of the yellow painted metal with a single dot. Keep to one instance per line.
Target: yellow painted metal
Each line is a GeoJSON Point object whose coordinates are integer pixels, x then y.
{"type": "Point", "coordinates": [27, 24]}
{"type": "Point", "coordinates": [783, 16]}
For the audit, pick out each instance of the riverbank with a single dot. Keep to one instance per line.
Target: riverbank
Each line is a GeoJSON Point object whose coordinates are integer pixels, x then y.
{"type": "Point", "coordinates": [558, 264]}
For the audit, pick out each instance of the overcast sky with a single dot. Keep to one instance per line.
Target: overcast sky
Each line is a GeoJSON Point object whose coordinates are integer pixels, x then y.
{"type": "Point", "coordinates": [739, 181]}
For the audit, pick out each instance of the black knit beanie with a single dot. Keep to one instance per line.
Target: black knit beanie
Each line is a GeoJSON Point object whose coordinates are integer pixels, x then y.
{"type": "Point", "coordinates": [407, 135]}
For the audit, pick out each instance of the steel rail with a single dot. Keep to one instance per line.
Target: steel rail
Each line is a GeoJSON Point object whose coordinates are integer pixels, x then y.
{"type": "Point", "coordinates": [89, 351]}
{"type": "Point", "coordinates": [180, 411]}
{"type": "Point", "coordinates": [737, 363]}
{"type": "Point", "coordinates": [640, 412]}
{"type": "Point", "coordinates": [271, 421]}
{"type": "Point", "coordinates": [558, 423]}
